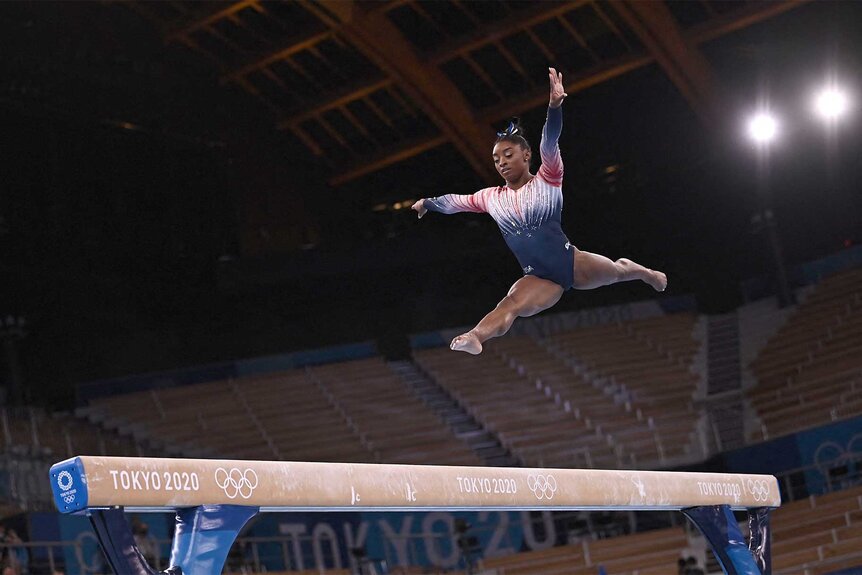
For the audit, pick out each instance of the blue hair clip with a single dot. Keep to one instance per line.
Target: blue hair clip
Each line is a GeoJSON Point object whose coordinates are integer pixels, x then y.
{"type": "Point", "coordinates": [509, 131]}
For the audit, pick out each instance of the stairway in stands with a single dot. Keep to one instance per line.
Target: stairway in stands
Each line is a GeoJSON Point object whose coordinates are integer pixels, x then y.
{"type": "Point", "coordinates": [484, 443]}
{"type": "Point", "coordinates": [724, 393]}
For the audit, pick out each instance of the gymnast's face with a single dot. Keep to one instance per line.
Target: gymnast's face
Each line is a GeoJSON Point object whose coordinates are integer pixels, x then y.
{"type": "Point", "coordinates": [511, 160]}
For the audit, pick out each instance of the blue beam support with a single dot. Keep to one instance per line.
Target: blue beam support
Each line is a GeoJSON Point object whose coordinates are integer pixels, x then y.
{"type": "Point", "coordinates": [735, 555]}
{"type": "Point", "coordinates": [202, 539]}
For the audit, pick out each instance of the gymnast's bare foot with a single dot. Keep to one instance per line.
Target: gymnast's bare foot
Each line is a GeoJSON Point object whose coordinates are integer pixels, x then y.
{"type": "Point", "coordinates": [657, 280]}
{"type": "Point", "coordinates": [467, 342]}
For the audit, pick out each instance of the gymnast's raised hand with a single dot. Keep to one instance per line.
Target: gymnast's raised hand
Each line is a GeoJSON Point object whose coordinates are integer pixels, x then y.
{"type": "Point", "coordinates": [527, 210]}
{"type": "Point", "coordinates": [558, 92]}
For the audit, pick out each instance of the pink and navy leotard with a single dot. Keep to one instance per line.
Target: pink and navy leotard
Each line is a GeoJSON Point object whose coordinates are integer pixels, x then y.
{"type": "Point", "coordinates": [529, 217]}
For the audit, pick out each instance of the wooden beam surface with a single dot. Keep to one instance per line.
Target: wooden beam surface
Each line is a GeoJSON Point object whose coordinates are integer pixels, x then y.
{"type": "Point", "coordinates": [134, 483]}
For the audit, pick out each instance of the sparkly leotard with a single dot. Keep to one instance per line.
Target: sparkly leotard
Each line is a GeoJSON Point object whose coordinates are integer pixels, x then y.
{"type": "Point", "coordinates": [528, 217]}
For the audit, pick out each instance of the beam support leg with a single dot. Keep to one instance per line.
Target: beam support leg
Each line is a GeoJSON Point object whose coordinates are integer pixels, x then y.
{"type": "Point", "coordinates": [202, 539]}
{"type": "Point", "coordinates": [735, 555]}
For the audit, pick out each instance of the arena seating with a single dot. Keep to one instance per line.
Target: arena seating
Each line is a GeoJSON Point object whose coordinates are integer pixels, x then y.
{"type": "Point", "coordinates": [33, 439]}
{"type": "Point", "coordinates": [532, 426]}
{"type": "Point", "coordinates": [647, 365]}
{"type": "Point", "coordinates": [397, 426]}
{"type": "Point", "coordinates": [818, 535]}
{"type": "Point", "coordinates": [607, 396]}
{"type": "Point", "coordinates": [613, 395]}
{"type": "Point", "coordinates": [351, 412]}
{"type": "Point", "coordinates": [810, 371]}
{"type": "Point", "coordinates": [280, 416]}
{"type": "Point", "coordinates": [296, 419]}
{"type": "Point", "coordinates": [34, 431]}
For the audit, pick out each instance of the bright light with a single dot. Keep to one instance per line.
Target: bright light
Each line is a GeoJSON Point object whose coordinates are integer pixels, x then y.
{"type": "Point", "coordinates": [762, 128]}
{"type": "Point", "coordinates": [831, 103]}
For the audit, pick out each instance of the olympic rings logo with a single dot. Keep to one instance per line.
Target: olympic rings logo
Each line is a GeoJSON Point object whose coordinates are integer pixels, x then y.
{"type": "Point", "coordinates": [759, 488]}
{"type": "Point", "coordinates": [64, 482]}
{"type": "Point", "coordinates": [542, 486]}
{"type": "Point", "coordinates": [831, 454]}
{"type": "Point", "coordinates": [236, 482]}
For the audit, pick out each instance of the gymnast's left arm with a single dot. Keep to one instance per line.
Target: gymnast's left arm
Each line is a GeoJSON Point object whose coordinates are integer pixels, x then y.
{"type": "Point", "coordinates": [552, 162]}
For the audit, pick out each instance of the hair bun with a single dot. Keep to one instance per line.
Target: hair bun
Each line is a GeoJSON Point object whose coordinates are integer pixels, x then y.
{"type": "Point", "coordinates": [513, 129]}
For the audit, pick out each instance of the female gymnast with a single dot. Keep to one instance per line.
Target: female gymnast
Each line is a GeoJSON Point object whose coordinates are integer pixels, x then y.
{"type": "Point", "coordinates": [527, 210]}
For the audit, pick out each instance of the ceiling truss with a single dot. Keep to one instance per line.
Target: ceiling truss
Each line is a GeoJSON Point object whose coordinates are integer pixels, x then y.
{"type": "Point", "coordinates": [365, 85]}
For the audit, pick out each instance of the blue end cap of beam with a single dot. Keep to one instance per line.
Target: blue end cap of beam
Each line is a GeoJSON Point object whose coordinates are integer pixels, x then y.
{"type": "Point", "coordinates": [69, 484]}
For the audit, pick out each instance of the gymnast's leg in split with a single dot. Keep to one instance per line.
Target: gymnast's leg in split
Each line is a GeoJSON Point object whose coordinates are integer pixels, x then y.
{"type": "Point", "coordinates": [594, 270]}
{"type": "Point", "coordinates": [531, 295]}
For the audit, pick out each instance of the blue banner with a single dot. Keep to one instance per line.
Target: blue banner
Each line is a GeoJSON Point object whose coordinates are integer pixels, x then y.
{"type": "Point", "coordinates": [771, 457]}
{"type": "Point", "coordinates": [315, 540]}
{"type": "Point", "coordinates": [81, 555]}
{"type": "Point", "coordinates": [829, 451]}
{"type": "Point", "coordinates": [85, 556]}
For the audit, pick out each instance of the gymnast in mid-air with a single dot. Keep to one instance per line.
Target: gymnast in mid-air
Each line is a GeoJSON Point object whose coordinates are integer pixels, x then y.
{"type": "Point", "coordinates": [527, 210]}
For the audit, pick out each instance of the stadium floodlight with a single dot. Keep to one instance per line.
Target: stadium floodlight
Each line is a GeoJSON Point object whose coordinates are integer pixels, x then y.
{"type": "Point", "coordinates": [762, 128]}
{"type": "Point", "coordinates": [831, 103]}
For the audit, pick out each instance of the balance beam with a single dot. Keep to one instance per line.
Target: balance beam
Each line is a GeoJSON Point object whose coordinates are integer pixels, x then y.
{"type": "Point", "coordinates": [168, 484]}
{"type": "Point", "coordinates": [102, 486]}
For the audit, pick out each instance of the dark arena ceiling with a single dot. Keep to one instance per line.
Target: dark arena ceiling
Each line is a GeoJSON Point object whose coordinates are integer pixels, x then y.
{"type": "Point", "coordinates": [367, 84]}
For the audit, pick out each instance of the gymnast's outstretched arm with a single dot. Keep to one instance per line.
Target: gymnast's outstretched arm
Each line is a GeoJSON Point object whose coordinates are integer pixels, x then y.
{"type": "Point", "coordinates": [453, 203]}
